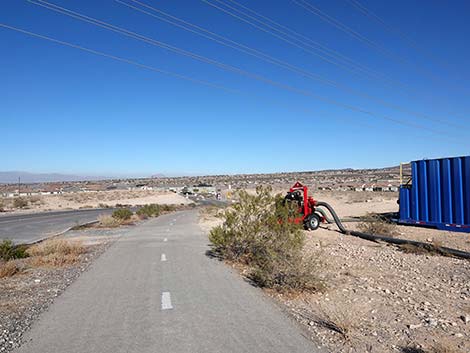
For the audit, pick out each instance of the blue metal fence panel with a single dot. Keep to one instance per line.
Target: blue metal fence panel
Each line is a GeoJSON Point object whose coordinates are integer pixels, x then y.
{"type": "Point", "coordinates": [439, 195]}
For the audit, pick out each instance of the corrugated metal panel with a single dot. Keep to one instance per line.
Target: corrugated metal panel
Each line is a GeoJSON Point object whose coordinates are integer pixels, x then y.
{"type": "Point", "coordinates": [439, 194]}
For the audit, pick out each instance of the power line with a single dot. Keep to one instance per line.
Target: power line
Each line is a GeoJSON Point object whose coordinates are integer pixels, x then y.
{"type": "Point", "coordinates": [223, 66]}
{"type": "Point", "coordinates": [338, 24]}
{"type": "Point", "coordinates": [392, 29]}
{"type": "Point", "coordinates": [158, 70]}
{"type": "Point", "coordinates": [334, 59]}
{"type": "Point", "coordinates": [365, 11]}
{"type": "Point", "coordinates": [327, 18]}
{"type": "Point", "coordinates": [148, 67]}
{"type": "Point", "coordinates": [267, 58]}
{"type": "Point", "coordinates": [323, 48]}
{"type": "Point", "coordinates": [117, 58]}
{"type": "Point", "coordinates": [293, 34]}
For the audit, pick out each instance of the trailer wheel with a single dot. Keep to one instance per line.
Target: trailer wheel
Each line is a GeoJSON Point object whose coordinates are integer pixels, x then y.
{"type": "Point", "coordinates": [312, 222]}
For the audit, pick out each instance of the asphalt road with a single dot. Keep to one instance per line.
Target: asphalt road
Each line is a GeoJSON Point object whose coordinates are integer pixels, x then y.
{"type": "Point", "coordinates": [28, 228]}
{"type": "Point", "coordinates": [154, 291]}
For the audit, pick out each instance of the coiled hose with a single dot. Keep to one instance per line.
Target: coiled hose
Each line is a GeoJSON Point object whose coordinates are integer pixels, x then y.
{"type": "Point", "coordinates": [441, 249]}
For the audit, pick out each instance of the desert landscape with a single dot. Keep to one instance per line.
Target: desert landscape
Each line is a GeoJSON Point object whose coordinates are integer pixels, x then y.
{"type": "Point", "coordinates": [379, 297]}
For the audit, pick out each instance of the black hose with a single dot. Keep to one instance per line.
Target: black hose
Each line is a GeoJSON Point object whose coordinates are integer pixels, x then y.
{"type": "Point", "coordinates": [328, 220]}
{"type": "Point", "coordinates": [335, 216]}
{"type": "Point", "coordinates": [440, 249]}
{"type": "Point", "coordinates": [323, 213]}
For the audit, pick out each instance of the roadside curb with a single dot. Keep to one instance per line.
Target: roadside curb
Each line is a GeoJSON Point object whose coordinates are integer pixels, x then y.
{"type": "Point", "coordinates": [62, 232]}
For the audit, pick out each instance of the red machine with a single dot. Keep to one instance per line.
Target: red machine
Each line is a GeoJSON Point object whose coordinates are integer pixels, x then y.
{"type": "Point", "coordinates": [308, 213]}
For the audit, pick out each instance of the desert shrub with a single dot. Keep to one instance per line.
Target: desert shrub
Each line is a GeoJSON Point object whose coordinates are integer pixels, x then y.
{"type": "Point", "coordinates": [20, 202]}
{"type": "Point", "coordinates": [168, 208]}
{"type": "Point", "coordinates": [152, 210]}
{"type": "Point", "coordinates": [55, 253]}
{"type": "Point", "coordinates": [108, 221]}
{"type": "Point", "coordinates": [256, 232]}
{"type": "Point", "coordinates": [10, 251]}
{"type": "Point", "coordinates": [434, 248]}
{"type": "Point", "coordinates": [375, 224]}
{"type": "Point", "coordinates": [9, 268]}
{"type": "Point", "coordinates": [122, 214]}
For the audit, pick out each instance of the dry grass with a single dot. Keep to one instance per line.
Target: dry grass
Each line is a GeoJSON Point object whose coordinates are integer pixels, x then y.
{"type": "Point", "coordinates": [105, 221]}
{"type": "Point", "coordinates": [9, 268]}
{"type": "Point", "coordinates": [435, 248]}
{"type": "Point", "coordinates": [211, 212]}
{"type": "Point", "coordinates": [332, 319]}
{"type": "Point", "coordinates": [375, 224]}
{"type": "Point", "coordinates": [55, 253]}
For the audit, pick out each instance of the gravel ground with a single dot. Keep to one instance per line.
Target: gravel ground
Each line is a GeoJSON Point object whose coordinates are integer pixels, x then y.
{"type": "Point", "coordinates": [24, 297]}
{"type": "Point", "coordinates": [381, 299]}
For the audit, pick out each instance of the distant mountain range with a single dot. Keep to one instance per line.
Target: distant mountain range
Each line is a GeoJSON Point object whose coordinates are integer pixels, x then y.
{"type": "Point", "coordinates": [12, 177]}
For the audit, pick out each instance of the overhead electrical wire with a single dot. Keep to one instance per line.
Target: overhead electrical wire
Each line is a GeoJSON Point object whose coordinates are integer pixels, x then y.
{"type": "Point", "coordinates": [224, 66]}
{"type": "Point", "coordinates": [165, 72]}
{"type": "Point", "coordinates": [394, 30]}
{"type": "Point", "coordinates": [304, 43]}
{"type": "Point", "coordinates": [410, 91]}
{"type": "Point", "coordinates": [270, 59]}
{"type": "Point", "coordinates": [117, 58]}
{"type": "Point", "coordinates": [365, 11]}
{"type": "Point", "coordinates": [309, 7]}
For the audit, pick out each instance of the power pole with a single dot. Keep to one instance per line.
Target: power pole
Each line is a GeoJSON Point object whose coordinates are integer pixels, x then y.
{"type": "Point", "coordinates": [19, 186]}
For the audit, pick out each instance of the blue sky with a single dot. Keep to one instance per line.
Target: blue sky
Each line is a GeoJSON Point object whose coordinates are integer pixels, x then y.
{"type": "Point", "coordinates": [65, 110]}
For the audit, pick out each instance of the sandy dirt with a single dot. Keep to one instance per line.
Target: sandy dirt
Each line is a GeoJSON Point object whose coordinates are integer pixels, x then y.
{"type": "Point", "coordinates": [379, 298]}
{"type": "Point", "coordinates": [100, 199]}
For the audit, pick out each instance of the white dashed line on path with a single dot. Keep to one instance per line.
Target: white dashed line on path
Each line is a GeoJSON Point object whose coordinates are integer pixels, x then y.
{"type": "Point", "coordinates": [166, 301]}
{"type": "Point", "coordinates": [165, 239]}
{"type": "Point", "coordinates": [163, 258]}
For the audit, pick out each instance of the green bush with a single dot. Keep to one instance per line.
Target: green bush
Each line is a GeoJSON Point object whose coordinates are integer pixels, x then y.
{"type": "Point", "coordinates": [10, 251]}
{"type": "Point", "coordinates": [20, 202]}
{"type": "Point", "coordinates": [152, 210]}
{"type": "Point", "coordinates": [256, 232]}
{"type": "Point", "coordinates": [123, 214]}
{"type": "Point", "coordinates": [168, 208]}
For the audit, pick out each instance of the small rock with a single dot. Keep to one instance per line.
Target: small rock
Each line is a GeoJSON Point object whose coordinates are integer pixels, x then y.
{"type": "Point", "coordinates": [431, 322]}
{"type": "Point", "coordinates": [465, 318]}
{"type": "Point", "coordinates": [459, 335]}
{"type": "Point", "coordinates": [414, 327]}
{"type": "Point", "coordinates": [37, 281]}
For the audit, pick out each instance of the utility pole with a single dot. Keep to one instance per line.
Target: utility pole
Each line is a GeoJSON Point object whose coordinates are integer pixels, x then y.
{"type": "Point", "coordinates": [19, 186]}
